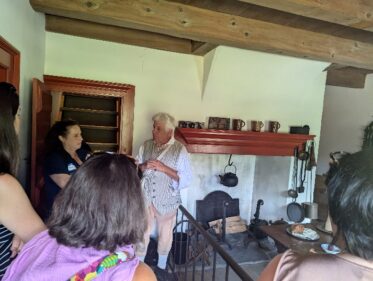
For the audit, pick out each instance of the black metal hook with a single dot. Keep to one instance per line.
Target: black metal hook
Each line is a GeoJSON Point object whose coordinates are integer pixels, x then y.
{"type": "Point", "coordinates": [229, 161]}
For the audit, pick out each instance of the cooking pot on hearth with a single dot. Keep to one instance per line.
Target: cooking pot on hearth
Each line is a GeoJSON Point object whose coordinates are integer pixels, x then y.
{"type": "Point", "coordinates": [229, 179]}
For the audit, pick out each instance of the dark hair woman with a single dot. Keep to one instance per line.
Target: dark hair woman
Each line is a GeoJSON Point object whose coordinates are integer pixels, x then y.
{"type": "Point", "coordinates": [65, 152]}
{"type": "Point", "coordinates": [16, 213]}
{"type": "Point", "coordinates": [350, 191]}
{"type": "Point", "coordinates": [94, 222]}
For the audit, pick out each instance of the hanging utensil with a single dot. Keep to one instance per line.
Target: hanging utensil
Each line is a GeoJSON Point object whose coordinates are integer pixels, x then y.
{"type": "Point", "coordinates": [312, 160]}
{"type": "Point", "coordinates": [293, 191]}
{"type": "Point", "coordinates": [294, 210]}
{"type": "Point", "coordinates": [303, 156]}
{"type": "Point", "coordinates": [301, 188]}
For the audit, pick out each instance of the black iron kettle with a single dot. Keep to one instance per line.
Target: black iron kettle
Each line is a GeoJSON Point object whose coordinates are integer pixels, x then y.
{"type": "Point", "coordinates": [229, 179]}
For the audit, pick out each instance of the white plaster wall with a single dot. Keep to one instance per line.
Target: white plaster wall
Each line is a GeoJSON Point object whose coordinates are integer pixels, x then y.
{"type": "Point", "coordinates": [164, 81]}
{"type": "Point", "coordinates": [240, 83]}
{"type": "Point", "coordinates": [23, 28]}
{"type": "Point", "coordinates": [258, 86]}
{"type": "Point", "coordinates": [271, 184]}
{"type": "Point", "coordinates": [229, 82]}
{"type": "Point", "coordinates": [346, 113]}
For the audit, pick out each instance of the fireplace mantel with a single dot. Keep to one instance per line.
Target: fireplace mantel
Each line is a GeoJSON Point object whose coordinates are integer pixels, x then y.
{"type": "Point", "coordinates": [240, 142]}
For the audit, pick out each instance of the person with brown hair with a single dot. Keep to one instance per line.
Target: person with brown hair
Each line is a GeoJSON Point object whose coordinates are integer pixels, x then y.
{"type": "Point", "coordinates": [65, 152]}
{"type": "Point", "coordinates": [350, 192]}
{"type": "Point", "coordinates": [94, 222]}
{"type": "Point", "coordinates": [16, 213]}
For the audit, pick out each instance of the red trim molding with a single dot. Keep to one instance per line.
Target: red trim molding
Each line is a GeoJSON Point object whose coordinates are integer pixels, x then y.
{"type": "Point", "coordinates": [240, 142]}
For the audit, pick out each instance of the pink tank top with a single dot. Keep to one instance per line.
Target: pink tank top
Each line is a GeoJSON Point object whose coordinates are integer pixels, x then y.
{"type": "Point", "coordinates": [323, 267]}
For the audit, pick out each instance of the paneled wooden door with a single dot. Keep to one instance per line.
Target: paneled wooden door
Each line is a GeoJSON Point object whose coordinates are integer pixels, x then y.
{"type": "Point", "coordinates": [41, 121]}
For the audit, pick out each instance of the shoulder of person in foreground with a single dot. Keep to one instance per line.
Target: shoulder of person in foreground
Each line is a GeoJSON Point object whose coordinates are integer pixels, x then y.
{"type": "Point", "coordinates": [16, 212]}
{"type": "Point", "coordinates": [144, 273]}
{"type": "Point", "coordinates": [269, 271]}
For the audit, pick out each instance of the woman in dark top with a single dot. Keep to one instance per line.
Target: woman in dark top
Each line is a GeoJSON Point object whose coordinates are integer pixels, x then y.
{"type": "Point", "coordinates": [16, 213]}
{"type": "Point", "coordinates": [65, 152]}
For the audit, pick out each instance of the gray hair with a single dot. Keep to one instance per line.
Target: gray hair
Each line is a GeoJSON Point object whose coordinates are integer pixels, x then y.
{"type": "Point", "coordinates": [165, 118]}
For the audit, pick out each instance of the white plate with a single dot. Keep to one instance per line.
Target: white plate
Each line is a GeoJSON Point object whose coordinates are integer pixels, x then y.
{"type": "Point", "coordinates": [308, 234]}
{"type": "Point", "coordinates": [334, 250]}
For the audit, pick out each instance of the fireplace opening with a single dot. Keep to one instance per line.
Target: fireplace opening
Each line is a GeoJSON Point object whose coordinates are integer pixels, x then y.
{"type": "Point", "coordinates": [216, 205]}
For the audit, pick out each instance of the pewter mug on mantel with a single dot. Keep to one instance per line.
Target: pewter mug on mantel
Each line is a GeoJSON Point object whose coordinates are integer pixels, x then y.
{"type": "Point", "coordinates": [274, 126]}
{"type": "Point", "coordinates": [237, 124]}
{"type": "Point", "coordinates": [256, 126]}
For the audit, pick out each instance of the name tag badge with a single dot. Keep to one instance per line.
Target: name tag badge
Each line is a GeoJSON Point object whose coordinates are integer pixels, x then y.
{"type": "Point", "coordinates": [71, 167]}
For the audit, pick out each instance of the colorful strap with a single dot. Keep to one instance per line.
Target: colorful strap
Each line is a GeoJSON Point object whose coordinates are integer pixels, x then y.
{"type": "Point", "coordinates": [101, 265]}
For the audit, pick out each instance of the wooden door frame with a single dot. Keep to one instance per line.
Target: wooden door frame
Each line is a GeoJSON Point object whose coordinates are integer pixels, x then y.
{"type": "Point", "coordinates": [14, 67]}
{"type": "Point", "coordinates": [38, 101]}
{"type": "Point", "coordinates": [125, 92]}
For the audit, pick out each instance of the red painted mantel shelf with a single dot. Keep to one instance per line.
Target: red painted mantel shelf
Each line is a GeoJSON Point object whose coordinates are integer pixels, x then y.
{"type": "Point", "coordinates": [240, 142]}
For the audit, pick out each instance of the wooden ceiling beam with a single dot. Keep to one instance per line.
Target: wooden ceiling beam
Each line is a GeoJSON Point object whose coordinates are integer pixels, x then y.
{"type": "Point", "coordinates": [184, 21]}
{"type": "Point", "coordinates": [356, 13]}
{"type": "Point", "coordinates": [349, 77]}
{"type": "Point", "coordinates": [334, 66]}
{"type": "Point", "coordinates": [117, 34]}
{"type": "Point", "coordinates": [201, 48]}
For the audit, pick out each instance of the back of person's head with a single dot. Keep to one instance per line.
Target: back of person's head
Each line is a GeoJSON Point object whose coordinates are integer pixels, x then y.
{"type": "Point", "coordinates": [350, 191]}
{"type": "Point", "coordinates": [9, 103]}
{"type": "Point", "coordinates": [60, 128]}
{"type": "Point", "coordinates": [101, 206]}
{"type": "Point", "coordinates": [335, 157]}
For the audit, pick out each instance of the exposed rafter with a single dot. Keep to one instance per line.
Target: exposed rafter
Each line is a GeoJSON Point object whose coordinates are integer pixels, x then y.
{"type": "Point", "coordinates": [200, 48]}
{"type": "Point", "coordinates": [354, 13]}
{"type": "Point", "coordinates": [118, 34]}
{"type": "Point", "coordinates": [181, 20]}
{"type": "Point", "coordinates": [346, 76]}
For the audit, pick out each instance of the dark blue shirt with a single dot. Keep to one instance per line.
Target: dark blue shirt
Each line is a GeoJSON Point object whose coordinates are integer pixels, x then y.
{"type": "Point", "coordinates": [57, 163]}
